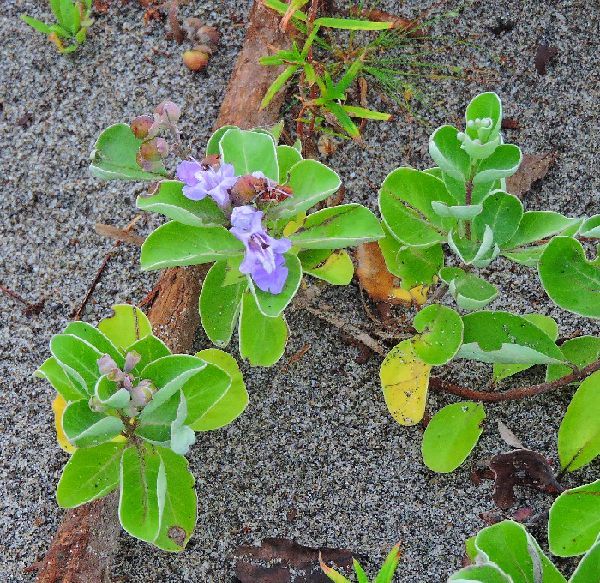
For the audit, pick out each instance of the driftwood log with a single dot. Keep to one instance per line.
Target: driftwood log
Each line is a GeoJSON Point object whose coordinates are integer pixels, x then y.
{"type": "Point", "coordinates": [83, 548]}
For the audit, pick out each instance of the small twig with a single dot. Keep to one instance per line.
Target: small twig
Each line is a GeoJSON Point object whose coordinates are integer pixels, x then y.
{"type": "Point", "coordinates": [76, 313]}
{"type": "Point", "coordinates": [118, 234]}
{"type": "Point", "coordinates": [31, 308]}
{"type": "Point", "coordinates": [178, 33]}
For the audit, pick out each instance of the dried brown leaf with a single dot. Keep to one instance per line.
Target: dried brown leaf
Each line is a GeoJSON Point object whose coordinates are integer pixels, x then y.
{"type": "Point", "coordinates": [521, 467]}
{"type": "Point", "coordinates": [533, 168]}
{"type": "Point", "coordinates": [509, 437]}
{"type": "Point", "coordinates": [274, 560]}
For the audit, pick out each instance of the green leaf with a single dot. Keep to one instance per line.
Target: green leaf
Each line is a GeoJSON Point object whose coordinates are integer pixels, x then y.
{"type": "Point", "coordinates": [589, 566]}
{"type": "Point", "coordinates": [537, 225]}
{"type": "Point", "coordinates": [502, 212]}
{"type": "Point", "coordinates": [364, 113]}
{"type": "Point", "coordinates": [334, 267]}
{"type": "Point", "coordinates": [506, 338]}
{"type": "Point", "coordinates": [486, 573]}
{"type": "Point", "coordinates": [570, 280]}
{"type": "Point", "coordinates": [412, 265]}
{"type": "Point", "coordinates": [233, 402]}
{"type": "Point", "coordinates": [55, 7]}
{"type": "Point", "coordinates": [590, 227]}
{"type": "Point", "coordinates": [461, 212]}
{"type": "Point", "coordinates": [445, 149]}
{"type": "Point", "coordinates": [451, 435]}
{"type": "Point", "coordinates": [278, 84]}
{"type": "Point", "coordinates": [79, 356]}
{"type": "Point", "coordinates": [262, 339]}
{"type": "Point", "coordinates": [386, 573]}
{"type": "Point", "coordinates": [469, 291]}
{"type": "Point", "coordinates": [272, 305]}
{"type": "Point", "coordinates": [579, 351]}
{"type": "Point", "coordinates": [440, 334]}
{"type": "Point", "coordinates": [249, 151]}
{"type": "Point", "coordinates": [579, 432]}
{"type": "Point", "coordinates": [169, 201]}
{"type": "Point", "coordinates": [141, 492]}
{"type": "Point", "coordinates": [310, 182]}
{"type": "Point", "coordinates": [220, 303]}
{"type": "Point", "coordinates": [175, 367]}
{"type": "Point", "coordinates": [84, 428]}
{"type": "Point", "coordinates": [127, 325]}
{"type": "Point", "coordinates": [574, 522]}
{"type": "Point", "coordinates": [114, 156]}
{"type": "Point", "coordinates": [504, 162]}
{"type": "Point", "coordinates": [54, 373]}
{"type": "Point", "coordinates": [37, 24]}
{"type": "Point", "coordinates": [405, 381]}
{"type": "Point", "coordinates": [346, 225]}
{"type": "Point", "coordinates": [150, 348]}
{"type": "Point", "coordinates": [90, 474]}
{"type": "Point", "coordinates": [212, 147]}
{"type": "Point", "coordinates": [174, 244]}
{"type": "Point", "coordinates": [470, 252]}
{"type": "Point", "coordinates": [528, 257]}
{"type": "Point", "coordinates": [287, 158]}
{"type": "Point", "coordinates": [405, 204]}
{"type": "Point", "coordinates": [545, 323]}
{"type": "Point", "coordinates": [482, 106]}
{"type": "Point", "coordinates": [96, 338]}
{"type": "Point", "coordinates": [178, 512]}
{"type": "Point", "coordinates": [110, 395]}
{"type": "Point", "coordinates": [515, 551]}
{"type": "Point", "coordinates": [350, 24]}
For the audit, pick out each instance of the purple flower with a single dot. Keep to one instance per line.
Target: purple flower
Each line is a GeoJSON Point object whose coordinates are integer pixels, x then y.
{"type": "Point", "coordinates": [264, 259]}
{"type": "Point", "coordinates": [201, 181]}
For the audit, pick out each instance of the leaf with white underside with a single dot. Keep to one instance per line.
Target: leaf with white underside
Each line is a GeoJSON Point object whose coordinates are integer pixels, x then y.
{"type": "Point", "coordinates": [249, 151]}
{"type": "Point", "coordinates": [502, 212]}
{"type": "Point", "coordinates": [591, 227]}
{"type": "Point", "coordinates": [447, 153]}
{"type": "Point", "coordinates": [85, 428]}
{"type": "Point", "coordinates": [589, 566]}
{"type": "Point", "coordinates": [405, 203]}
{"type": "Point", "coordinates": [168, 200]}
{"type": "Point", "coordinates": [506, 338]}
{"type": "Point", "coordinates": [174, 244]}
{"type": "Point", "coordinates": [89, 474]}
{"type": "Point", "coordinates": [545, 323]}
{"type": "Point", "coordinates": [79, 356]}
{"type": "Point", "coordinates": [67, 386]}
{"type": "Point", "coordinates": [502, 163]}
{"type": "Point", "coordinates": [310, 182]}
{"type": "Point", "coordinates": [346, 225]}
{"type": "Point", "coordinates": [469, 291]}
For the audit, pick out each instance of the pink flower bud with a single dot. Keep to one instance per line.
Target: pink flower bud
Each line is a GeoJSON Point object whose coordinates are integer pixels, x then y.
{"type": "Point", "coordinates": [168, 111]}
{"type": "Point", "coordinates": [131, 360]}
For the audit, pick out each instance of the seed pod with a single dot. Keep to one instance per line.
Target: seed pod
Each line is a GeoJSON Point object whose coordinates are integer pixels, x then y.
{"type": "Point", "coordinates": [209, 50]}
{"type": "Point", "coordinates": [245, 190]}
{"type": "Point", "coordinates": [141, 125]}
{"type": "Point", "coordinates": [191, 26]}
{"type": "Point", "coordinates": [195, 60]}
{"type": "Point", "coordinates": [208, 35]}
{"type": "Point", "coordinates": [327, 145]}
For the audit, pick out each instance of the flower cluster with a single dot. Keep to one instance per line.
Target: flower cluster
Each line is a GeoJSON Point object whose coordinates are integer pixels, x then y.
{"type": "Point", "coordinates": [139, 394]}
{"type": "Point", "coordinates": [264, 261]}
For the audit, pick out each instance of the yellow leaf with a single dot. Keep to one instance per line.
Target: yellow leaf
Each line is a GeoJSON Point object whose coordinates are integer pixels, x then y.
{"type": "Point", "coordinates": [419, 294]}
{"type": "Point", "coordinates": [405, 380]}
{"type": "Point", "coordinates": [294, 224]}
{"type": "Point", "coordinates": [58, 406]}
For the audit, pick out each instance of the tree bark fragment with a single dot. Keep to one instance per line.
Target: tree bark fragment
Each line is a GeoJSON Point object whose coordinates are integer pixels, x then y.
{"type": "Point", "coordinates": [87, 539]}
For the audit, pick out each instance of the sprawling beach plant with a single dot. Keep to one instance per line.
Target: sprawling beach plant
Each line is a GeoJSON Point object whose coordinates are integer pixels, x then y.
{"type": "Point", "coordinates": [72, 21]}
{"type": "Point", "coordinates": [385, 574]}
{"type": "Point", "coordinates": [506, 553]}
{"type": "Point", "coordinates": [245, 208]}
{"type": "Point", "coordinates": [460, 211]}
{"type": "Point", "coordinates": [127, 410]}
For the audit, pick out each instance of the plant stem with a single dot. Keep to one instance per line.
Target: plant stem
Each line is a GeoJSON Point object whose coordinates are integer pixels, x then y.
{"type": "Point", "coordinates": [443, 386]}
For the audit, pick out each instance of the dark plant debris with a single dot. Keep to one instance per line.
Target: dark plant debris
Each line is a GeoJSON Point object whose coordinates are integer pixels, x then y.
{"type": "Point", "coordinates": [532, 169]}
{"type": "Point", "coordinates": [544, 54]}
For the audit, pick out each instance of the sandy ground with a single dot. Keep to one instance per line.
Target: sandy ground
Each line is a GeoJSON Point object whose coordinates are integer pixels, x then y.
{"type": "Point", "coordinates": [316, 438]}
